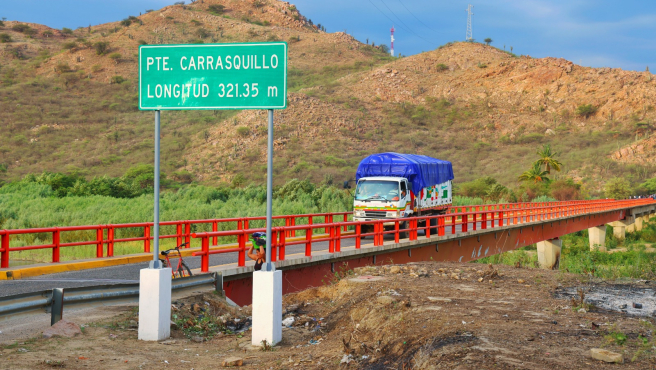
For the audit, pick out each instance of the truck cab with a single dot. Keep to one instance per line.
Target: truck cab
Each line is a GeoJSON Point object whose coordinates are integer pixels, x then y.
{"type": "Point", "coordinates": [382, 198]}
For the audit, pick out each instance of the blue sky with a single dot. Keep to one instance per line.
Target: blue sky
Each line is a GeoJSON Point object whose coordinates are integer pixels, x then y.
{"type": "Point", "coordinates": [597, 33]}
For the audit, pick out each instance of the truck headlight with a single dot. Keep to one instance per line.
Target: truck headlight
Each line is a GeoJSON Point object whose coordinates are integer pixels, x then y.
{"type": "Point", "coordinates": [358, 213]}
{"type": "Point", "coordinates": [393, 214]}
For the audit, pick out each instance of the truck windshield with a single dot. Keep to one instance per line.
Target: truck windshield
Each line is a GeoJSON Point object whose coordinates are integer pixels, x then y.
{"type": "Point", "coordinates": [377, 190]}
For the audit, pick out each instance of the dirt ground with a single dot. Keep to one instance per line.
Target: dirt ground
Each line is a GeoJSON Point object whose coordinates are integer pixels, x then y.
{"type": "Point", "coordinates": [418, 316]}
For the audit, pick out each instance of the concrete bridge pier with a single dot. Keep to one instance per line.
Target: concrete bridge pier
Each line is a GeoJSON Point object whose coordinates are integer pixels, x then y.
{"type": "Point", "coordinates": [597, 236]}
{"type": "Point", "coordinates": [621, 227]}
{"type": "Point", "coordinates": [549, 253]}
{"type": "Point", "coordinates": [638, 223]}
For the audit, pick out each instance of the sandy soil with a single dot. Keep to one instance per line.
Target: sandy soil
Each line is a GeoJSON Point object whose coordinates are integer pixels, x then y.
{"type": "Point", "coordinates": [424, 316]}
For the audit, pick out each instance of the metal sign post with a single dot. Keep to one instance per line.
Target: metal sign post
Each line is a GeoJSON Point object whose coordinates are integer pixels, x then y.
{"type": "Point", "coordinates": [156, 263]}
{"type": "Point", "coordinates": [212, 76]}
{"type": "Point", "coordinates": [269, 266]}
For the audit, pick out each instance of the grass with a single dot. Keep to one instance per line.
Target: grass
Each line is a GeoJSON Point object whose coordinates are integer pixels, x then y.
{"type": "Point", "coordinates": [634, 262]}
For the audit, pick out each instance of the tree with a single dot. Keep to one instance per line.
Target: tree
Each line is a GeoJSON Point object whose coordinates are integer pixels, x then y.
{"type": "Point", "coordinates": [67, 31]}
{"type": "Point", "coordinates": [547, 159]}
{"type": "Point", "coordinates": [488, 41]}
{"type": "Point", "coordinates": [535, 174]}
{"type": "Point", "coordinates": [617, 188]}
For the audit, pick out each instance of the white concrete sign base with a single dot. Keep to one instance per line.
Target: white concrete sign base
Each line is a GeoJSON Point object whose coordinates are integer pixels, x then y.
{"type": "Point", "coordinates": [267, 307]}
{"type": "Point", "coordinates": [154, 304]}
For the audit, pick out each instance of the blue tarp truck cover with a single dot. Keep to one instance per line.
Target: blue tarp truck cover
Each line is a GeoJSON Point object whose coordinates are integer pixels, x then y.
{"type": "Point", "coordinates": [420, 170]}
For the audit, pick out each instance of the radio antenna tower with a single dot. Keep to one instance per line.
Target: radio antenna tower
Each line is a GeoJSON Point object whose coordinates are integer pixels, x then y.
{"type": "Point", "coordinates": [470, 33]}
{"type": "Point", "coordinates": [392, 49]}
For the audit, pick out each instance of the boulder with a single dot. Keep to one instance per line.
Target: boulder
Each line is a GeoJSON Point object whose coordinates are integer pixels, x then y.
{"type": "Point", "coordinates": [233, 361]}
{"type": "Point", "coordinates": [62, 328]}
{"type": "Point", "coordinates": [606, 356]}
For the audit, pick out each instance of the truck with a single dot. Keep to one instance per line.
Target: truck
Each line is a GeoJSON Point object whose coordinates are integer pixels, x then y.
{"type": "Point", "coordinates": [392, 186]}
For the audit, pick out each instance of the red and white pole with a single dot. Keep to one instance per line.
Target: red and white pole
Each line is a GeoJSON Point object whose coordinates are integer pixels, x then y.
{"type": "Point", "coordinates": [392, 48]}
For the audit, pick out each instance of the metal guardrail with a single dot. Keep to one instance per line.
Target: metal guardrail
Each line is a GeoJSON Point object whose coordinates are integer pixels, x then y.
{"type": "Point", "coordinates": [53, 301]}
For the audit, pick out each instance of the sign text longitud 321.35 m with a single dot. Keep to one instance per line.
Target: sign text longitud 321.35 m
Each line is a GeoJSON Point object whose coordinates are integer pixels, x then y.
{"type": "Point", "coordinates": [213, 76]}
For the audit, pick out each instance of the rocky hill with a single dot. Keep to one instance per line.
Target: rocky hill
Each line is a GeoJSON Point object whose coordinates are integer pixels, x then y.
{"type": "Point", "coordinates": [69, 104]}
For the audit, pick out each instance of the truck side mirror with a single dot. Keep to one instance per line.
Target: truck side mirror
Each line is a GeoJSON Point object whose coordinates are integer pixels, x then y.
{"type": "Point", "coordinates": [346, 185]}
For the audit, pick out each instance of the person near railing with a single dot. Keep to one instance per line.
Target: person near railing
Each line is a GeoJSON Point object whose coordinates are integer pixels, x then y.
{"type": "Point", "coordinates": [257, 251]}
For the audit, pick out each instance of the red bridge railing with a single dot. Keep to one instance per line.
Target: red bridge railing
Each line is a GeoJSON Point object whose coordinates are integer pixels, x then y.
{"type": "Point", "coordinates": [473, 218]}
{"type": "Point", "coordinates": [106, 235]}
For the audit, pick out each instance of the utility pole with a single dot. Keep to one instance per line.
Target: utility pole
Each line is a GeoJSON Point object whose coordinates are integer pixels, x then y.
{"type": "Point", "coordinates": [392, 49]}
{"type": "Point", "coordinates": [470, 33]}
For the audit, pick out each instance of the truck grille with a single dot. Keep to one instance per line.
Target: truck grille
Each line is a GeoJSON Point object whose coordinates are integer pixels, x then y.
{"type": "Point", "coordinates": [375, 214]}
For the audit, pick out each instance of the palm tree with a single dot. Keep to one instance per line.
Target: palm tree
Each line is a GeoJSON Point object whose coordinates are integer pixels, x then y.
{"type": "Point", "coordinates": [547, 158]}
{"type": "Point", "coordinates": [535, 174]}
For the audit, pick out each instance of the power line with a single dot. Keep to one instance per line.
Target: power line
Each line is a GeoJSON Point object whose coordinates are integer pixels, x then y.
{"type": "Point", "coordinates": [425, 25]}
{"type": "Point", "coordinates": [399, 19]}
{"type": "Point", "coordinates": [407, 28]}
{"type": "Point", "coordinates": [381, 12]}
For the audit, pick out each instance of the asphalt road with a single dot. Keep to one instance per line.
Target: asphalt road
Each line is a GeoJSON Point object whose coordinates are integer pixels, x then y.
{"type": "Point", "coordinates": [130, 273]}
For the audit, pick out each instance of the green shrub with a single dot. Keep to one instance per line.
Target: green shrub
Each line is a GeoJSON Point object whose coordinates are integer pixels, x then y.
{"type": "Point", "coordinates": [47, 33]}
{"type": "Point", "coordinates": [202, 33]}
{"type": "Point", "coordinates": [63, 68]}
{"type": "Point", "coordinates": [530, 138]}
{"type": "Point", "coordinates": [586, 110]}
{"type": "Point", "coordinates": [20, 27]}
{"type": "Point", "coordinates": [114, 56]}
{"type": "Point", "coordinates": [4, 37]}
{"type": "Point", "coordinates": [142, 42]}
{"type": "Point", "coordinates": [243, 131]}
{"type": "Point", "coordinates": [67, 31]}
{"type": "Point", "coordinates": [126, 22]}
{"type": "Point", "coordinates": [441, 67]}
{"type": "Point", "coordinates": [478, 188]}
{"type": "Point", "coordinates": [334, 162]}
{"type": "Point", "coordinates": [183, 176]}
{"type": "Point", "coordinates": [117, 80]}
{"type": "Point", "coordinates": [101, 47]}
{"type": "Point", "coordinates": [216, 9]}
{"type": "Point", "coordinates": [69, 45]}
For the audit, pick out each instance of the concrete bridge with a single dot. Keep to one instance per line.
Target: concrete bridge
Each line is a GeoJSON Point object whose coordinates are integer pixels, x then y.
{"type": "Point", "coordinates": [461, 236]}
{"type": "Point", "coordinates": [322, 249]}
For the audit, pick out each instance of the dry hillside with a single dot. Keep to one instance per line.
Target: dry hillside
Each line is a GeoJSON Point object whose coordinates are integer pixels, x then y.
{"type": "Point", "coordinates": [65, 107]}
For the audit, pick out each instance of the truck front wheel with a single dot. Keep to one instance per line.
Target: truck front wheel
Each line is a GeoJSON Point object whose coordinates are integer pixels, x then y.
{"type": "Point", "coordinates": [365, 229]}
{"type": "Point", "coordinates": [403, 234]}
{"type": "Point", "coordinates": [433, 229]}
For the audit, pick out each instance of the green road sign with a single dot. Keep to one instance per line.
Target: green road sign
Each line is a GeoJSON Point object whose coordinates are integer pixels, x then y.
{"type": "Point", "coordinates": [213, 76]}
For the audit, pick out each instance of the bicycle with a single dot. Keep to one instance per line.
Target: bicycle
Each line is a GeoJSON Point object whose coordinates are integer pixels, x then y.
{"type": "Point", "coordinates": [179, 269]}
